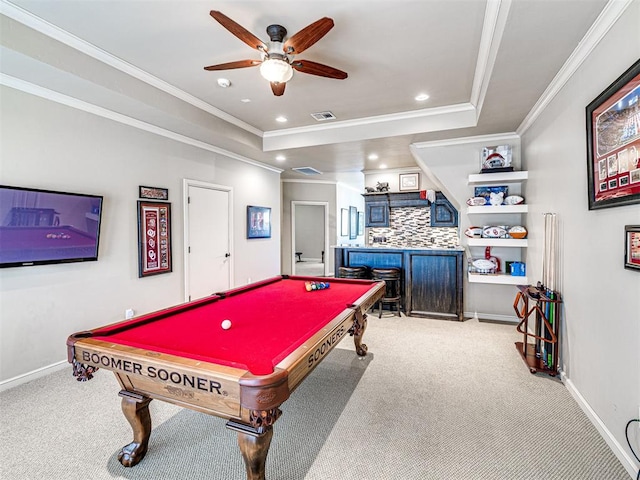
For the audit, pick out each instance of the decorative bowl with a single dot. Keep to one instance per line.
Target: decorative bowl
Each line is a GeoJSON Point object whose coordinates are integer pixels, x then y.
{"type": "Point", "coordinates": [518, 232]}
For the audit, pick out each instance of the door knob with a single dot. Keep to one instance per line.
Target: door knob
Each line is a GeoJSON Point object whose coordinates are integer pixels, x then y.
{"type": "Point", "coordinates": [227, 255]}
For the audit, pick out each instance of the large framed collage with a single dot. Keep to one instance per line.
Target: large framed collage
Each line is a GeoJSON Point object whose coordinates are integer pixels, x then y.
{"type": "Point", "coordinates": [613, 143]}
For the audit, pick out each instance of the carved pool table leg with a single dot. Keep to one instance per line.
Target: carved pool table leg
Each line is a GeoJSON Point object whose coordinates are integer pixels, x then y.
{"type": "Point", "coordinates": [136, 410]}
{"type": "Point", "coordinates": [254, 450]}
{"type": "Point", "coordinates": [357, 330]}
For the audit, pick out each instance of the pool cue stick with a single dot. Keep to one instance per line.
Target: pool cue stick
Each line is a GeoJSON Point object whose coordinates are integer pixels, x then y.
{"type": "Point", "coordinates": [552, 288]}
{"type": "Point", "coordinates": [540, 345]}
{"type": "Point", "coordinates": [548, 246]}
{"type": "Point", "coordinates": [551, 283]}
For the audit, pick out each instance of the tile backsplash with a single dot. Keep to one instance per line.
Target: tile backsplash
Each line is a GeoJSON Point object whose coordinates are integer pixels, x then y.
{"type": "Point", "coordinates": [411, 227]}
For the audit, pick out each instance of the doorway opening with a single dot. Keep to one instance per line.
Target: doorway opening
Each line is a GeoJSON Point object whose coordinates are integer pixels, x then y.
{"type": "Point", "coordinates": [309, 238]}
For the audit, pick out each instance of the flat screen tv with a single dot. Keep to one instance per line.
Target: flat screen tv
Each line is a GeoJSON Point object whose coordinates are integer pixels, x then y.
{"type": "Point", "coordinates": [39, 227]}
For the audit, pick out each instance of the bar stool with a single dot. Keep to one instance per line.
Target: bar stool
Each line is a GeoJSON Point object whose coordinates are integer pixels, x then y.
{"type": "Point", "coordinates": [392, 279]}
{"type": "Point", "coordinates": [354, 272]}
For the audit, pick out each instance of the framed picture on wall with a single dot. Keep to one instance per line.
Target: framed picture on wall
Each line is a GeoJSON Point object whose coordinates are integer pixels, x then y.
{"type": "Point", "coordinates": [153, 193]}
{"type": "Point", "coordinates": [258, 222]}
{"type": "Point", "coordinates": [353, 223]}
{"type": "Point", "coordinates": [409, 181]}
{"type": "Point", "coordinates": [344, 222]}
{"type": "Point", "coordinates": [154, 238]}
{"type": "Point", "coordinates": [632, 247]}
{"type": "Point", "coordinates": [613, 143]}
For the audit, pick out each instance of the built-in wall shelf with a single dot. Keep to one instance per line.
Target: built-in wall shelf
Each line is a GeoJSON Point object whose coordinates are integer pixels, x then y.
{"type": "Point", "coordinates": [500, 177]}
{"type": "Point", "coordinates": [499, 209]}
{"type": "Point", "coordinates": [496, 278]}
{"type": "Point", "coordinates": [497, 242]}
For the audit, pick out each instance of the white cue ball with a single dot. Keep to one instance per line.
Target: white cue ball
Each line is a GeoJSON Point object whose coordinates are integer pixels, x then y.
{"type": "Point", "coordinates": [226, 324]}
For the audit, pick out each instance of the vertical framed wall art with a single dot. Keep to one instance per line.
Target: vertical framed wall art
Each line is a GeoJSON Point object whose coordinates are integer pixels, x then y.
{"type": "Point", "coordinates": [613, 143]}
{"type": "Point", "coordinates": [344, 222]}
{"type": "Point", "coordinates": [353, 223]}
{"type": "Point", "coordinates": [154, 238]}
{"type": "Point", "coordinates": [258, 222]}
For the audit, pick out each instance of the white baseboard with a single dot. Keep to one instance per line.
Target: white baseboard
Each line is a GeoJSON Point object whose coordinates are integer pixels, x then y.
{"type": "Point", "coordinates": [492, 316]}
{"type": "Point", "coordinates": [33, 375]}
{"type": "Point", "coordinates": [613, 444]}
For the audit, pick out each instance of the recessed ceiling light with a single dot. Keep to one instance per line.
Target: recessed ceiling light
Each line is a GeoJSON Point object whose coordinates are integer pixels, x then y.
{"type": "Point", "coordinates": [281, 158]}
{"type": "Point", "coordinates": [383, 166]}
{"type": "Point", "coordinates": [224, 82]}
{"type": "Point", "coordinates": [373, 156]}
{"type": "Point", "coordinates": [281, 119]}
{"type": "Point", "coordinates": [422, 97]}
{"type": "Point", "coordinates": [245, 100]}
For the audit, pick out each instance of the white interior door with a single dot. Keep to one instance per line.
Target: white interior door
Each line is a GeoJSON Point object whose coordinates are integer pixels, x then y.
{"type": "Point", "coordinates": [207, 239]}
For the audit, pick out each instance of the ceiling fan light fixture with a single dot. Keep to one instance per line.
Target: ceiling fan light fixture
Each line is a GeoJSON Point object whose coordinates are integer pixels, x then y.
{"type": "Point", "coordinates": [276, 70]}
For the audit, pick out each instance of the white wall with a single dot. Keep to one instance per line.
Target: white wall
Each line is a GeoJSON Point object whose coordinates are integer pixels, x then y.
{"type": "Point", "coordinates": [349, 196]}
{"type": "Point", "coordinates": [47, 145]}
{"type": "Point", "coordinates": [601, 314]}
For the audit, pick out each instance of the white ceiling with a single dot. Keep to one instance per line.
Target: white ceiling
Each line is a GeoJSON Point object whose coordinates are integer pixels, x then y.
{"type": "Point", "coordinates": [483, 64]}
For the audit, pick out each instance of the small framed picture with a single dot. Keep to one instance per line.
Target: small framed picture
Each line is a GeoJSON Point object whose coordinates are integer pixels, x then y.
{"type": "Point", "coordinates": [153, 193]}
{"type": "Point", "coordinates": [632, 247]}
{"type": "Point", "coordinates": [258, 222]}
{"type": "Point", "coordinates": [409, 181]}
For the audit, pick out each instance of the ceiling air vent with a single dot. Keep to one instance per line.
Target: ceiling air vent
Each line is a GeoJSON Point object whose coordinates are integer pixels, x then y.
{"type": "Point", "coordinates": [322, 116]}
{"type": "Point", "coordinates": [307, 171]}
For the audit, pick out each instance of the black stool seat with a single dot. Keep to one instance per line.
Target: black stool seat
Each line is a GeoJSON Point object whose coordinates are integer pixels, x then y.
{"type": "Point", "coordinates": [392, 277]}
{"type": "Point", "coordinates": [353, 272]}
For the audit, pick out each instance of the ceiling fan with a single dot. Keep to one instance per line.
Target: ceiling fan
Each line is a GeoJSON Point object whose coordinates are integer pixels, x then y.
{"type": "Point", "coordinates": [277, 63]}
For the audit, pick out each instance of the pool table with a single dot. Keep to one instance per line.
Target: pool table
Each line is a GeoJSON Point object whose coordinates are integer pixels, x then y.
{"type": "Point", "coordinates": [279, 333]}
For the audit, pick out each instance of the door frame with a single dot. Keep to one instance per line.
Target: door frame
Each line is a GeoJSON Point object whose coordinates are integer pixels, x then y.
{"type": "Point", "coordinates": [293, 232]}
{"type": "Point", "coordinates": [186, 183]}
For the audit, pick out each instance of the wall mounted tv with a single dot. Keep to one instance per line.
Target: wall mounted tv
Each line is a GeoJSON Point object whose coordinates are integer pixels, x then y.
{"type": "Point", "coordinates": [39, 227]}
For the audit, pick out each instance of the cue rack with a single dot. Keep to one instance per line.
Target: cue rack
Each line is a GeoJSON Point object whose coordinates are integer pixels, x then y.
{"type": "Point", "coordinates": [538, 309]}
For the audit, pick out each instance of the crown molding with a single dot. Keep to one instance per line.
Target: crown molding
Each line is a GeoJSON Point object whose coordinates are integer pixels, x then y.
{"type": "Point", "coordinates": [487, 139]}
{"type": "Point", "coordinates": [404, 123]}
{"type": "Point", "coordinates": [302, 180]}
{"type": "Point", "coordinates": [36, 90]}
{"type": "Point", "coordinates": [495, 20]}
{"type": "Point", "coordinates": [607, 18]}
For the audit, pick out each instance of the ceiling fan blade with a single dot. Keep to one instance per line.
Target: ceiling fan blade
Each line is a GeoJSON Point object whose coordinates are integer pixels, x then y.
{"type": "Point", "coordinates": [278, 88]}
{"type": "Point", "coordinates": [309, 35]}
{"type": "Point", "coordinates": [230, 65]}
{"type": "Point", "coordinates": [238, 30]}
{"type": "Point", "coordinates": [314, 68]}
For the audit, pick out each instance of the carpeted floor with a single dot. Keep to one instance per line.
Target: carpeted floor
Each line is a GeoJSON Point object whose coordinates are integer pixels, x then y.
{"type": "Point", "coordinates": [434, 399]}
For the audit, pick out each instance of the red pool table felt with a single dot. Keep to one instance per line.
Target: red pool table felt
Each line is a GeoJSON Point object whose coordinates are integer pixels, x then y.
{"type": "Point", "coordinates": [268, 323]}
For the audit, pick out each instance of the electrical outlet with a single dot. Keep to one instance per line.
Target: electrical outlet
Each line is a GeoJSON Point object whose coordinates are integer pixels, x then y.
{"type": "Point", "coordinates": [129, 313]}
